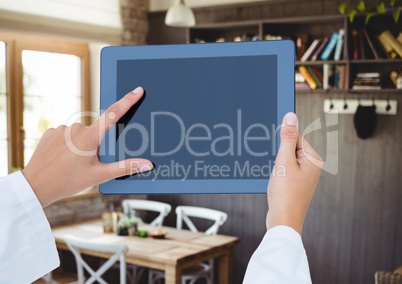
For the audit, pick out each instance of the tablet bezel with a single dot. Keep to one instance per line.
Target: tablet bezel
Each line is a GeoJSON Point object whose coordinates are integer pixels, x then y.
{"type": "Point", "coordinates": [284, 50]}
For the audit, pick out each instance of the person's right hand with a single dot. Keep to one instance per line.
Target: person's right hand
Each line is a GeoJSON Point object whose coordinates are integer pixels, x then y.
{"type": "Point", "coordinates": [66, 160]}
{"type": "Point", "coordinates": [294, 178]}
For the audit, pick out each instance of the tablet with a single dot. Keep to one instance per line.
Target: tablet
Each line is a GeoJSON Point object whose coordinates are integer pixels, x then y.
{"type": "Point", "coordinates": [209, 120]}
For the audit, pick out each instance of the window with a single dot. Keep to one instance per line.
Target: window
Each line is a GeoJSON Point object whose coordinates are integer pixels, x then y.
{"type": "Point", "coordinates": [4, 165]}
{"type": "Point", "coordinates": [43, 82]}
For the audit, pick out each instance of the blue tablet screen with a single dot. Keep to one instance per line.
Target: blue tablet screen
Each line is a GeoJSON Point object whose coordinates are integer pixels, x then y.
{"type": "Point", "coordinates": [202, 118]}
{"type": "Point", "coordinates": [210, 117]}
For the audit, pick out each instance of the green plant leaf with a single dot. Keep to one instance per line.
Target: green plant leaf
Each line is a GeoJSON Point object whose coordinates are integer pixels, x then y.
{"type": "Point", "coordinates": [368, 17]}
{"type": "Point", "coordinates": [361, 7]}
{"type": "Point", "coordinates": [392, 3]}
{"type": "Point", "coordinates": [352, 15]}
{"type": "Point", "coordinates": [342, 8]}
{"type": "Point", "coordinates": [396, 15]}
{"type": "Point", "coordinates": [381, 8]}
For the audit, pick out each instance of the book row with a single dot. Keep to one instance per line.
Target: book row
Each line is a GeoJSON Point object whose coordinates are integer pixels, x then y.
{"type": "Point", "coordinates": [326, 48]}
{"type": "Point", "coordinates": [331, 77]}
{"type": "Point", "coordinates": [336, 77]}
{"type": "Point", "coordinates": [366, 45]}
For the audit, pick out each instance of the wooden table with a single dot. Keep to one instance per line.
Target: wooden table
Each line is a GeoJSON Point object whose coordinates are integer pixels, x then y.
{"type": "Point", "coordinates": [179, 250]}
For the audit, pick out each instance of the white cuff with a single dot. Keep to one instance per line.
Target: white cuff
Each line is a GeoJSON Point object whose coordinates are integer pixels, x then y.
{"type": "Point", "coordinates": [27, 246]}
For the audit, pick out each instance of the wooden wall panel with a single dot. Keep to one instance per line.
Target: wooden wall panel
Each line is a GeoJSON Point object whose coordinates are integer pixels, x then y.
{"type": "Point", "coordinates": [354, 225]}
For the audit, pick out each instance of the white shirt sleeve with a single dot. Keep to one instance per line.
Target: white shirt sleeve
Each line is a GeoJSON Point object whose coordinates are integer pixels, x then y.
{"type": "Point", "coordinates": [280, 258]}
{"type": "Point", "coordinates": [27, 246]}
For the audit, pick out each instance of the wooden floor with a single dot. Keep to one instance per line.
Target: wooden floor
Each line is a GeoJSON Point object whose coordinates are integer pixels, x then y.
{"type": "Point", "coordinates": [59, 278]}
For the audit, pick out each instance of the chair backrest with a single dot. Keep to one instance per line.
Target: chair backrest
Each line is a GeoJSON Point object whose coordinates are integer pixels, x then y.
{"type": "Point", "coordinates": [148, 205]}
{"type": "Point", "coordinates": [119, 254]}
{"type": "Point", "coordinates": [184, 212]}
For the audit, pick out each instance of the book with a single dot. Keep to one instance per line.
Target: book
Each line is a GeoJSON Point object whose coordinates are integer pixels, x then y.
{"type": "Point", "coordinates": [346, 78]}
{"type": "Point", "coordinates": [299, 77]}
{"type": "Point", "coordinates": [366, 87]}
{"type": "Point", "coordinates": [301, 45]}
{"type": "Point", "coordinates": [355, 44]}
{"type": "Point", "coordinates": [341, 70]}
{"type": "Point", "coordinates": [301, 83]}
{"type": "Point", "coordinates": [367, 81]}
{"type": "Point", "coordinates": [389, 51]}
{"type": "Point", "coordinates": [396, 45]}
{"type": "Point", "coordinates": [336, 79]}
{"type": "Point", "coordinates": [327, 73]}
{"type": "Point", "coordinates": [310, 81]}
{"type": "Point", "coordinates": [368, 75]}
{"type": "Point", "coordinates": [319, 49]}
{"type": "Point", "coordinates": [362, 50]}
{"type": "Point", "coordinates": [339, 45]}
{"type": "Point", "coordinates": [302, 86]}
{"type": "Point", "coordinates": [307, 55]}
{"type": "Point", "coordinates": [318, 74]}
{"type": "Point", "coordinates": [399, 38]}
{"type": "Point", "coordinates": [330, 47]}
{"type": "Point", "coordinates": [370, 43]}
{"type": "Point", "coordinates": [315, 77]}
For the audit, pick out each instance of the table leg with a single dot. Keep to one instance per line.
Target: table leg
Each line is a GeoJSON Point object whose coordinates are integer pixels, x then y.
{"type": "Point", "coordinates": [172, 274]}
{"type": "Point", "coordinates": [225, 267]}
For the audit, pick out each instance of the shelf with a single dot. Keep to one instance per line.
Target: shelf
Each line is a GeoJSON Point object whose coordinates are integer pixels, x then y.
{"type": "Point", "coordinates": [382, 91]}
{"type": "Point", "coordinates": [293, 20]}
{"type": "Point", "coordinates": [350, 91]}
{"type": "Point", "coordinates": [307, 20]}
{"type": "Point", "coordinates": [227, 25]}
{"type": "Point", "coordinates": [321, 91]}
{"type": "Point", "coordinates": [376, 61]}
{"type": "Point", "coordinates": [320, 62]}
{"type": "Point", "coordinates": [359, 61]}
{"type": "Point", "coordinates": [315, 27]}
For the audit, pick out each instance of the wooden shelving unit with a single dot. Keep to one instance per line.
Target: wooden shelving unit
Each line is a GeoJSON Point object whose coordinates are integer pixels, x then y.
{"type": "Point", "coordinates": [320, 62]}
{"type": "Point", "coordinates": [315, 27]}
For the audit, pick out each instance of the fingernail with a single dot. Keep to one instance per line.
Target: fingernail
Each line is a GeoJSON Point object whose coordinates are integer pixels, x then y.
{"type": "Point", "coordinates": [145, 167]}
{"type": "Point", "coordinates": [137, 90]}
{"type": "Point", "coordinates": [291, 119]}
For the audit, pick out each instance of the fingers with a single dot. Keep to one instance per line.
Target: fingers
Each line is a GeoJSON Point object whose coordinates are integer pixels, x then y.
{"type": "Point", "coordinates": [114, 113]}
{"type": "Point", "coordinates": [125, 167]}
{"type": "Point", "coordinates": [289, 137]}
{"type": "Point", "coordinates": [306, 155]}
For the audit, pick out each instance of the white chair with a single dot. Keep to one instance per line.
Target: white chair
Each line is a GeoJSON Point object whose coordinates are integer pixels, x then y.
{"type": "Point", "coordinates": [130, 205]}
{"type": "Point", "coordinates": [129, 208]}
{"type": "Point", "coordinates": [202, 270]}
{"type": "Point", "coordinates": [119, 254]}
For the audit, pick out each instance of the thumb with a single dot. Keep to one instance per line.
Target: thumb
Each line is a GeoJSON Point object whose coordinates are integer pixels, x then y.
{"type": "Point", "coordinates": [125, 167]}
{"type": "Point", "coordinates": [289, 136]}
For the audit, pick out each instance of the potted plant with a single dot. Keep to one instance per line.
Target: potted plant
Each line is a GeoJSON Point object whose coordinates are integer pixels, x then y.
{"type": "Point", "coordinates": [369, 11]}
{"type": "Point", "coordinates": [128, 226]}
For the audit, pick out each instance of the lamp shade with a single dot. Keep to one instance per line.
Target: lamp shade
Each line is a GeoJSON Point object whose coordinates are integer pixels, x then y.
{"type": "Point", "coordinates": [180, 15]}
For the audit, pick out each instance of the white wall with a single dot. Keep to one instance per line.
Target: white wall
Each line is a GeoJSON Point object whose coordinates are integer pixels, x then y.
{"type": "Point", "coordinates": [96, 20]}
{"type": "Point", "coordinates": [161, 5]}
{"type": "Point", "coordinates": [84, 20]}
{"type": "Point", "coordinates": [95, 50]}
{"type": "Point", "coordinates": [94, 12]}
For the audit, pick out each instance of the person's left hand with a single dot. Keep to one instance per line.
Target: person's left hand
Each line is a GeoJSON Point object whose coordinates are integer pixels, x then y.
{"type": "Point", "coordinates": [65, 161]}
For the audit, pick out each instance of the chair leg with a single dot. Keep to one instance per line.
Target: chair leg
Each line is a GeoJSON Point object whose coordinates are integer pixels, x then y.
{"type": "Point", "coordinates": [154, 278]}
{"type": "Point", "coordinates": [211, 272]}
{"type": "Point", "coordinates": [139, 272]}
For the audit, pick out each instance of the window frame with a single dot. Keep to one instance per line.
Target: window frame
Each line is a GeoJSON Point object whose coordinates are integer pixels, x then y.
{"type": "Point", "coordinates": [15, 44]}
